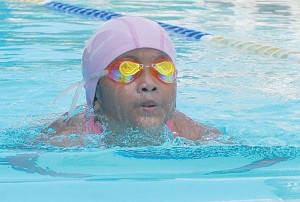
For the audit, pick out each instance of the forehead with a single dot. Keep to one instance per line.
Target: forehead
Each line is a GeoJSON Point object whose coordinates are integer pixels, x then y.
{"type": "Point", "coordinates": [144, 54]}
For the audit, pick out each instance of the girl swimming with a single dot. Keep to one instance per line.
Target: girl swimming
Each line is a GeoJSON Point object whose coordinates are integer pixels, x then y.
{"type": "Point", "coordinates": [129, 75]}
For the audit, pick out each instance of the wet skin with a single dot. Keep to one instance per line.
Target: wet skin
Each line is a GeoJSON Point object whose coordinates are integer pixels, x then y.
{"type": "Point", "coordinates": [143, 103]}
{"type": "Point", "coordinates": [141, 107]}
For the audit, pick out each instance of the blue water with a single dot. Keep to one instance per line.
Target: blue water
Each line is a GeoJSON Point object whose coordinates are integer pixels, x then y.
{"type": "Point", "coordinates": [253, 99]}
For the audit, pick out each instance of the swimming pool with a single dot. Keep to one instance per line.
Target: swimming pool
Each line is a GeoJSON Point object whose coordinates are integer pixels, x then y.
{"type": "Point", "coordinates": [252, 98]}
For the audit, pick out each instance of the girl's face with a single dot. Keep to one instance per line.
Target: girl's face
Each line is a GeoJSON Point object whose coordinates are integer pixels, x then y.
{"type": "Point", "coordinates": [145, 102]}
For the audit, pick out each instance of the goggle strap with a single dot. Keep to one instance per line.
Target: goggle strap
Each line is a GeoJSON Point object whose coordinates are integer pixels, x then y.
{"type": "Point", "coordinates": [65, 91]}
{"type": "Point", "coordinates": [78, 86]}
{"type": "Point", "coordinates": [75, 98]}
{"type": "Point", "coordinates": [75, 85]}
{"type": "Point", "coordinates": [98, 75]}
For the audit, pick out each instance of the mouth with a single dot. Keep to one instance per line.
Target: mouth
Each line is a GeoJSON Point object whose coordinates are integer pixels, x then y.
{"type": "Point", "coordinates": [149, 106]}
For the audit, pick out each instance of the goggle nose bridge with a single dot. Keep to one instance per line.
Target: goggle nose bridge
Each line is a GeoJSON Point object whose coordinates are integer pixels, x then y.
{"type": "Point", "coordinates": [147, 65]}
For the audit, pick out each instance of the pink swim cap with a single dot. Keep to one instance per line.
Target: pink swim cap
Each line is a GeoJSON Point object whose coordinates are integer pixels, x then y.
{"type": "Point", "coordinates": [118, 36]}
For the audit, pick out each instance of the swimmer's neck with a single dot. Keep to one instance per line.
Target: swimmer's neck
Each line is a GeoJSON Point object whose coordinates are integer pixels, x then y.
{"type": "Point", "coordinates": [120, 134]}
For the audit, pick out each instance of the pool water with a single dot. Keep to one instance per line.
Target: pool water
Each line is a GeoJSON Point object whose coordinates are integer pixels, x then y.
{"type": "Point", "coordinates": [252, 98]}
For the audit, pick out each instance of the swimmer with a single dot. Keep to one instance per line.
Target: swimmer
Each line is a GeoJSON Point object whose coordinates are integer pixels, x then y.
{"type": "Point", "coordinates": [129, 75]}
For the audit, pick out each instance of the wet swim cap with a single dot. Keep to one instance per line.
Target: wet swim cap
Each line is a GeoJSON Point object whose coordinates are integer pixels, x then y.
{"type": "Point", "coordinates": [118, 36]}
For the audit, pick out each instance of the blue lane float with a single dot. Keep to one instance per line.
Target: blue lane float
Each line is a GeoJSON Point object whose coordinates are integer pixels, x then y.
{"type": "Point", "coordinates": [107, 15]}
{"type": "Point", "coordinates": [100, 14]}
{"type": "Point", "coordinates": [190, 34]}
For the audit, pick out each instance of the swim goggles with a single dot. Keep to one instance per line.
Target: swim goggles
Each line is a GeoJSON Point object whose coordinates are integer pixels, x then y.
{"type": "Point", "coordinates": [127, 70]}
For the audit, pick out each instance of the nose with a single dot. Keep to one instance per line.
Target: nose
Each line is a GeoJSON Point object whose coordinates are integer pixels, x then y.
{"type": "Point", "coordinates": [147, 82]}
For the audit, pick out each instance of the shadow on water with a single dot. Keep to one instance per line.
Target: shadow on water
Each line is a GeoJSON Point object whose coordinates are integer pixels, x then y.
{"type": "Point", "coordinates": [257, 157]}
{"type": "Point", "coordinates": [24, 155]}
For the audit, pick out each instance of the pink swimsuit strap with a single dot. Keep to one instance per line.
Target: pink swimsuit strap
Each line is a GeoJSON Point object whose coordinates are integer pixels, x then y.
{"type": "Point", "coordinates": [169, 125]}
{"type": "Point", "coordinates": [93, 126]}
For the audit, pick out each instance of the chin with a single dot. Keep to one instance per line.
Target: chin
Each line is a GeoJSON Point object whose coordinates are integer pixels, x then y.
{"type": "Point", "coordinates": [150, 122]}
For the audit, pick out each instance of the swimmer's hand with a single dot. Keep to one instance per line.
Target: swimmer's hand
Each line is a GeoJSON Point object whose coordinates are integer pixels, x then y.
{"type": "Point", "coordinates": [190, 129]}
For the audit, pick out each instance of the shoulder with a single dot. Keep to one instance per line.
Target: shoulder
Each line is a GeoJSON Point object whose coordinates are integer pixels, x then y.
{"type": "Point", "coordinates": [78, 123]}
{"type": "Point", "coordinates": [184, 126]}
{"type": "Point", "coordinates": [69, 131]}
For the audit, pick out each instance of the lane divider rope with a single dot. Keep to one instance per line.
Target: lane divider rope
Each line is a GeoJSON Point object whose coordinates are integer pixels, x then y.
{"type": "Point", "coordinates": [253, 47]}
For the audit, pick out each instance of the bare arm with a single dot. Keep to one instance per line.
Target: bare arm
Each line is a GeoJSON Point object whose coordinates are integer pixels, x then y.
{"type": "Point", "coordinates": [190, 129]}
{"type": "Point", "coordinates": [63, 126]}
{"type": "Point", "coordinates": [64, 133]}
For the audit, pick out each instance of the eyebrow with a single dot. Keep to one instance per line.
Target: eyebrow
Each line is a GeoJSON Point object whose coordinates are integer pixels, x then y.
{"type": "Point", "coordinates": [153, 59]}
{"type": "Point", "coordinates": [162, 56]}
{"type": "Point", "coordinates": [130, 57]}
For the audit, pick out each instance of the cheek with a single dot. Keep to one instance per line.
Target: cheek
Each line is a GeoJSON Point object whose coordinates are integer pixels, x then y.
{"type": "Point", "coordinates": [169, 99]}
{"type": "Point", "coordinates": [109, 92]}
{"type": "Point", "coordinates": [126, 110]}
{"type": "Point", "coordinates": [117, 99]}
{"type": "Point", "coordinates": [123, 97]}
{"type": "Point", "coordinates": [169, 93]}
